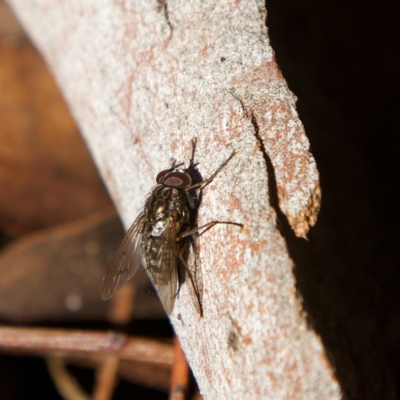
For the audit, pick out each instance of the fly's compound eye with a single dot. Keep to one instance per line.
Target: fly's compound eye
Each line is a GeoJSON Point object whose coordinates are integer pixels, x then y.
{"type": "Point", "coordinates": [161, 175]}
{"type": "Point", "coordinates": [177, 179]}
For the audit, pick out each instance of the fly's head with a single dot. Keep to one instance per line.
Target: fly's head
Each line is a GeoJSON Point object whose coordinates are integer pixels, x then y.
{"type": "Point", "coordinates": [174, 177]}
{"type": "Point", "coordinates": [177, 178]}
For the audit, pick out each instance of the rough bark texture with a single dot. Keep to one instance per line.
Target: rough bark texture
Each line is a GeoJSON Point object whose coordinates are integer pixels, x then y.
{"type": "Point", "coordinates": [142, 79]}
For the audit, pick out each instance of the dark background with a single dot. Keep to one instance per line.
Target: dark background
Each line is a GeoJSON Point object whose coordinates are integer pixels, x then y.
{"type": "Point", "coordinates": [341, 59]}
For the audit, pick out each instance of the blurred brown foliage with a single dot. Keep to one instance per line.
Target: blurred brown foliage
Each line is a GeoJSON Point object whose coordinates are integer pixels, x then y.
{"type": "Point", "coordinates": [47, 180]}
{"type": "Point", "coordinates": [47, 176]}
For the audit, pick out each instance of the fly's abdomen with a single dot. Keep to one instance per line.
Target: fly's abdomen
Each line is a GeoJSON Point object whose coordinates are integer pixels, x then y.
{"type": "Point", "coordinates": [159, 253]}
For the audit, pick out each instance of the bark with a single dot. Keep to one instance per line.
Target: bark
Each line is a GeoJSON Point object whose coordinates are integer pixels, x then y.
{"type": "Point", "coordinates": [144, 78]}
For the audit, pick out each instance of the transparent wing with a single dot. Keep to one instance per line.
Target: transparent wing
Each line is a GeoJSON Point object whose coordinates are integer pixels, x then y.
{"type": "Point", "coordinates": [162, 267]}
{"type": "Point", "coordinates": [126, 261]}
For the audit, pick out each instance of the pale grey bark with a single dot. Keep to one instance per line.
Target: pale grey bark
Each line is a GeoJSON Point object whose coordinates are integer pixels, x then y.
{"type": "Point", "coordinates": [141, 84]}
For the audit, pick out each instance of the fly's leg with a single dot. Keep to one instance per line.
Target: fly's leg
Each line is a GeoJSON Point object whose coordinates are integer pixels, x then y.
{"type": "Point", "coordinates": [201, 185]}
{"type": "Point", "coordinates": [181, 251]}
{"type": "Point", "coordinates": [194, 285]}
{"type": "Point", "coordinates": [192, 164]}
{"type": "Point", "coordinates": [194, 144]}
{"type": "Point", "coordinates": [205, 228]}
{"type": "Point", "coordinates": [174, 164]}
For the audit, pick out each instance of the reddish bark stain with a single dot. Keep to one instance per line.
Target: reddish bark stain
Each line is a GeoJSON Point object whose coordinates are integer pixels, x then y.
{"type": "Point", "coordinates": [265, 72]}
{"type": "Point", "coordinates": [282, 134]}
{"type": "Point", "coordinates": [203, 51]}
{"type": "Point", "coordinates": [247, 341]}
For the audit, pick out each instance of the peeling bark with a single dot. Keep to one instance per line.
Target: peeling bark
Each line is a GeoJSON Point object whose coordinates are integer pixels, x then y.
{"type": "Point", "coordinates": [142, 79]}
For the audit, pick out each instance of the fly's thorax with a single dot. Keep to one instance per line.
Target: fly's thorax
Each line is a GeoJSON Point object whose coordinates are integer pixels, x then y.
{"type": "Point", "coordinates": [159, 208]}
{"type": "Point", "coordinates": [168, 202]}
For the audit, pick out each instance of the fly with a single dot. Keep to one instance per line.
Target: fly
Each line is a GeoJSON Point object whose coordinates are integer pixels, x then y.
{"type": "Point", "coordinates": [158, 238]}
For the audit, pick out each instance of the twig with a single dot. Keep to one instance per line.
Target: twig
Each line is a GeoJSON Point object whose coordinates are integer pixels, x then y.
{"type": "Point", "coordinates": [106, 378]}
{"type": "Point", "coordinates": [65, 383]}
{"type": "Point", "coordinates": [180, 374]}
{"type": "Point", "coordinates": [120, 313]}
{"type": "Point", "coordinates": [89, 343]}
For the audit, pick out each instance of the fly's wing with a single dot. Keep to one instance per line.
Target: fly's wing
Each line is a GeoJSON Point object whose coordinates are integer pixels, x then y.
{"type": "Point", "coordinates": [126, 261]}
{"type": "Point", "coordinates": [162, 267]}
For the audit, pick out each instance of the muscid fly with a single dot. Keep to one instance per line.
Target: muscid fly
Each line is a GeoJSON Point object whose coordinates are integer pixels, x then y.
{"type": "Point", "coordinates": [158, 238]}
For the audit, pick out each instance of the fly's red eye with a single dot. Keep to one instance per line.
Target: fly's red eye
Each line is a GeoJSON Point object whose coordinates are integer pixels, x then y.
{"type": "Point", "coordinates": [161, 175]}
{"type": "Point", "coordinates": [178, 179]}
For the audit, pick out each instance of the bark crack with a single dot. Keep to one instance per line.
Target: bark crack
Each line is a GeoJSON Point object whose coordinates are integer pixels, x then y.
{"type": "Point", "coordinates": [163, 5]}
